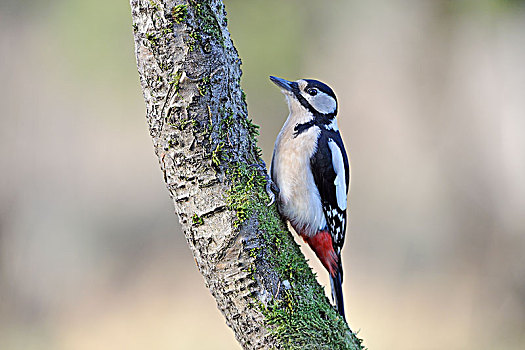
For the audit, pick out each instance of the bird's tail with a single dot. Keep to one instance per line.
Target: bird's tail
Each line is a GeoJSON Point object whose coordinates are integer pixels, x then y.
{"type": "Point", "coordinates": [322, 245]}
{"type": "Point", "coordinates": [336, 282]}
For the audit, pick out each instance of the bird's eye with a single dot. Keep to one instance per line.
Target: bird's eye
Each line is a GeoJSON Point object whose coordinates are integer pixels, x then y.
{"type": "Point", "coordinates": [312, 92]}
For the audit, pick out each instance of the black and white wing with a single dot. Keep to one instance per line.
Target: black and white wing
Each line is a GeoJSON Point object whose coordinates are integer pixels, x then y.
{"type": "Point", "coordinates": [331, 173]}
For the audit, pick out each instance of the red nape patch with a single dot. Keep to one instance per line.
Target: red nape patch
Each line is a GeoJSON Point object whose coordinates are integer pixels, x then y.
{"type": "Point", "coordinates": [322, 245]}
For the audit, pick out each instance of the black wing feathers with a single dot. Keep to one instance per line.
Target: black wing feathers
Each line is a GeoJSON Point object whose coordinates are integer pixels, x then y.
{"type": "Point", "coordinates": [324, 177]}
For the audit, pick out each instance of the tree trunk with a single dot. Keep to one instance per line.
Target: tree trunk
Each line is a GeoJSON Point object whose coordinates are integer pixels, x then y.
{"type": "Point", "coordinates": [196, 111]}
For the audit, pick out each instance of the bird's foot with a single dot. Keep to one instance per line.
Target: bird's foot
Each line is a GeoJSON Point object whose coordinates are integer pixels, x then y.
{"type": "Point", "coordinates": [271, 189]}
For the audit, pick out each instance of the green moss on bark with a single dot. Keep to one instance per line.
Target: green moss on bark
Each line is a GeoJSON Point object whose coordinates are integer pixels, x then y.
{"type": "Point", "coordinates": [208, 22]}
{"type": "Point", "coordinates": [179, 13]}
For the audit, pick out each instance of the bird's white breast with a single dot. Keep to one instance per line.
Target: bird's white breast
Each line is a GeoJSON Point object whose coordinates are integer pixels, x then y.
{"type": "Point", "coordinates": [299, 199]}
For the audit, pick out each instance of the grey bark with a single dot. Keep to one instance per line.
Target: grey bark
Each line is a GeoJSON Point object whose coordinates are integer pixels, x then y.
{"type": "Point", "coordinates": [190, 76]}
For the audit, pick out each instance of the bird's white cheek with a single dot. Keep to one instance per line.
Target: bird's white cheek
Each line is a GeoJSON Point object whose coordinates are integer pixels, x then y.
{"type": "Point", "coordinates": [322, 102]}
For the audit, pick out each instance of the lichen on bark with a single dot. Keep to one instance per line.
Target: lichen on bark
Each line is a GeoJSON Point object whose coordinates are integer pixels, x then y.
{"type": "Point", "coordinates": [197, 116]}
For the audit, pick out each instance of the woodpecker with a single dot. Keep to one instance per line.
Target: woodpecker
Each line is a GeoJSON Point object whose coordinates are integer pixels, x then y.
{"type": "Point", "coordinates": [311, 170]}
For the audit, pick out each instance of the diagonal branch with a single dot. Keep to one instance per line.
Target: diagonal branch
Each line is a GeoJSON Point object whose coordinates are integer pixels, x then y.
{"type": "Point", "coordinates": [197, 116]}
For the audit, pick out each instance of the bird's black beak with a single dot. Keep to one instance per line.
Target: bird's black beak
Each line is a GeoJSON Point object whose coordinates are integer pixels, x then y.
{"type": "Point", "coordinates": [282, 83]}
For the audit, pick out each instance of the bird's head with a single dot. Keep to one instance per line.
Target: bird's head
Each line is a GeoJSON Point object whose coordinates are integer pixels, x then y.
{"type": "Point", "coordinates": [307, 96]}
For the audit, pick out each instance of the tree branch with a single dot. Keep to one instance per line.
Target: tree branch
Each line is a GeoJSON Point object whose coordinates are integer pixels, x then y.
{"type": "Point", "coordinates": [197, 116]}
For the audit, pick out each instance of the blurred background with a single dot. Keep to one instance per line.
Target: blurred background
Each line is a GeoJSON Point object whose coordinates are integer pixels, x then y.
{"type": "Point", "coordinates": [432, 109]}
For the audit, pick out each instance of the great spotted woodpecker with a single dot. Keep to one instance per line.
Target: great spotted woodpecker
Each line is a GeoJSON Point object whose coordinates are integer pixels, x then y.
{"type": "Point", "coordinates": [311, 170]}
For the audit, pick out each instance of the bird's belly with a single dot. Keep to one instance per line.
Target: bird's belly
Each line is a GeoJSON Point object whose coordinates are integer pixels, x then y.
{"type": "Point", "coordinates": [299, 199]}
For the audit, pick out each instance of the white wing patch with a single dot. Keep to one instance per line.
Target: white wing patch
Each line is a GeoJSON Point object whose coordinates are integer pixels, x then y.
{"type": "Point", "coordinates": [339, 168]}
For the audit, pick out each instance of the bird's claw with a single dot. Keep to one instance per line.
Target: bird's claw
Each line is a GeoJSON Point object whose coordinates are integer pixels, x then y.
{"type": "Point", "coordinates": [271, 189]}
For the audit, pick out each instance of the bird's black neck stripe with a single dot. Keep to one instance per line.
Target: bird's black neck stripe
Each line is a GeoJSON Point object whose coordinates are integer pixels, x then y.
{"type": "Point", "coordinates": [320, 122]}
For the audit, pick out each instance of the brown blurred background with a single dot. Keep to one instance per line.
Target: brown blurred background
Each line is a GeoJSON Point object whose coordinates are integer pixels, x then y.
{"type": "Point", "coordinates": [432, 108]}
